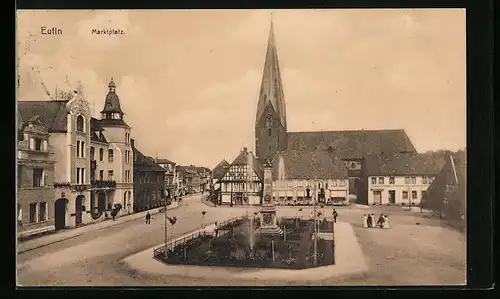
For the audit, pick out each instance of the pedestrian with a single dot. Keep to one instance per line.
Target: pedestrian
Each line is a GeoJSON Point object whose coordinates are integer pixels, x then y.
{"type": "Point", "coordinates": [380, 221]}
{"type": "Point", "coordinates": [386, 222]}
{"type": "Point", "coordinates": [335, 215]}
{"type": "Point", "coordinates": [369, 221]}
{"type": "Point", "coordinates": [148, 218]}
{"type": "Point", "coordinates": [216, 230]}
{"type": "Point", "coordinates": [365, 221]}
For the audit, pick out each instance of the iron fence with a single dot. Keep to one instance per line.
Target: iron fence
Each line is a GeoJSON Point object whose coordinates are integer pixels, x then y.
{"type": "Point", "coordinates": [160, 251]}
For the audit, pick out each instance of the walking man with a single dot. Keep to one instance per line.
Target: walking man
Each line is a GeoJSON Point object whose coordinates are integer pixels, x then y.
{"type": "Point", "coordinates": [335, 215]}
{"type": "Point", "coordinates": [148, 218]}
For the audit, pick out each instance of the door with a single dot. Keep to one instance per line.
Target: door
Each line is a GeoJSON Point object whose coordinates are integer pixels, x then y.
{"type": "Point", "coordinates": [392, 196]}
{"type": "Point", "coordinates": [78, 209]}
{"type": "Point", "coordinates": [101, 202]}
{"type": "Point", "coordinates": [377, 197]}
{"type": "Point", "coordinates": [60, 207]}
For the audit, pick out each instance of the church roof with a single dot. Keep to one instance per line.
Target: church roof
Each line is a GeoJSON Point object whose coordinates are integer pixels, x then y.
{"type": "Point", "coordinates": [401, 165]}
{"type": "Point", "coordinates": [352, 144]}
{"type": "Point", "coordinates": [271, 89]}
{"type": "Point", "coordinates": [309, 165]}
{"type": "Point", "coordinates": [164, 161]}
{"type": "Point", "coordinates": [220, 170]}
{"type": "Point", "coordinates": [54, 113]}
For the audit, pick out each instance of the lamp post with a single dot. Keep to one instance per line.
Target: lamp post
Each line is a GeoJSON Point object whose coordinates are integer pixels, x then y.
{"type": "Point", "coordinates": [166, 230]}
{"type": "Point", "coordinates": [314, 197]}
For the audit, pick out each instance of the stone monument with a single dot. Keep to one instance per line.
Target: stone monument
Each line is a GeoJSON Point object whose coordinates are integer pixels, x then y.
{"type": "Point", "coordinates": [268, 221]}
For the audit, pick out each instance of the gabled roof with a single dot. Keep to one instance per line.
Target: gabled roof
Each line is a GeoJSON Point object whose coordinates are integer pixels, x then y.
{"type": "Point", "coordinates": [309, 165]}
{"type": "Point", "coordinates": [401, 165]}
{"type": "Point", "coordinates": [164, 161]}
{"type": "Point", "coordinates": [54, 113]}
{"type": "Point", "coordinates": [144, 163]}
{"type": "Point", "coordinates": [97, 130]}
{"type": "Point", "coordinates": [454, 175]}
{"type": "Point", "coordinates": [242, 159]}
{"type": "Point", "coordinates": [220, 170]}
{"type": "Point", "coordinates": [352, 144]}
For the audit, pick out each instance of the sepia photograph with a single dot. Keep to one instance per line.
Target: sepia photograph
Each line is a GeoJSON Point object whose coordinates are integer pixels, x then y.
{"type": "Point", "coordinates": [311, 147]}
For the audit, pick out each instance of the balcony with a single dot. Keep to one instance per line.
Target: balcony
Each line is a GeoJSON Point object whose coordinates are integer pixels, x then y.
{"type": "Point", "coordinates": [103, 184]}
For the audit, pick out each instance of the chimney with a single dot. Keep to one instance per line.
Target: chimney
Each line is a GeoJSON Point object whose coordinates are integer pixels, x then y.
{"type": "Point", "coordinates": [132, 142]}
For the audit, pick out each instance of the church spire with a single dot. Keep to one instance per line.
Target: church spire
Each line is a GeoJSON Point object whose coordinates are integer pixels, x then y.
{"type": "Point", "coordinates": [271, 89]}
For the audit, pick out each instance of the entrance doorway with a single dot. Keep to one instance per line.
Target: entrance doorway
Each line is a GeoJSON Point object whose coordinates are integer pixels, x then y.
{"type": "Point", "coordinates": [392, 196]}
{"type": "Point", "coordinates": [101, 202]}
{"type": "Point", "coordinates": [61, 212]}
{"type": "Point", "coordinates": [78, 209]}
{"type": "Point", "coordinates": [377, 197]}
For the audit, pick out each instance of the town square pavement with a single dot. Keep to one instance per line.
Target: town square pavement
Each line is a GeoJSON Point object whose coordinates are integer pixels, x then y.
{"type": "Point", "coordinates": [409, 253]}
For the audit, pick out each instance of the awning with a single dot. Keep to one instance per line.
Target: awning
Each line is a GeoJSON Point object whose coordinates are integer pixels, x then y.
{"type": "Point", "coordinates": [282, 193]}
{"type": "Point", "coordinates": [289, 193]}
{"type": "Point", "coordinates": [301, 193]}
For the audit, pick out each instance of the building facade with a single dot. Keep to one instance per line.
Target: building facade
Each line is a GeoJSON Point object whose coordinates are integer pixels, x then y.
{"type": "Point", "coordinates": [302, 177]}
{"type": "Point", "coordinates": [401, 179]}
{"type": "Point", "coordinates": [35, 170]}
{"type": "Point", "coordinates": [170, 177]}
{"type": "Point", "coordinates": [242, 181]}
{"type": "Point", "coordinates": [149, 182]}
{"type": "Point", "coordinates": [81, 180]}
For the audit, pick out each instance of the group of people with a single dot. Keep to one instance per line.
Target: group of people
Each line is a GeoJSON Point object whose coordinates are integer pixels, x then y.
{"type": "Point", "coordinates": [370, 222]}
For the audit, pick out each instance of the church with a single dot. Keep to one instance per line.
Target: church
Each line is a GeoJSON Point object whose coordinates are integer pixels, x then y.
{"type": "Point", "coordinates": [334, 160]}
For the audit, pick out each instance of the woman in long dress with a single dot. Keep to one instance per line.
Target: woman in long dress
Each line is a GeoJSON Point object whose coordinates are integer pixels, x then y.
{"type": "Point", "coordinates": [386, 222]}
{"type": "Point", "coordinates": [365, 221]}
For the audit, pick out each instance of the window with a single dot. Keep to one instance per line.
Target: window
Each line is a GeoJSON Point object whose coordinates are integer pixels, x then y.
{"type": "Point", "coordinates": [407, 180]}
{"type": "Point", "coordinates": [413, 194]}
{"type": "Point", "coordinates": [326, 185]}
{"type": "Point", "coordinates": [424, 180]}
{"type": "Point", "coordinates": [101, 154]}
{"type": "Point", "coordinates": [38, 144]}
{"type": "Point", "coordinates": [391, 180]}
{"type": "Point", "coordinates": [83, 176]}
{"type": "Point", "coordinates": [42, 213]}
{"type": "Point", "coordinates": [405, 194]}
{"type": "Point", "coordinates": [269, 132]}
{"type": "Point", "coordinates": [33, 213]}
{"type": "Point", "coordinates": [92, 153]}
{"type": "Point", "coordinates": [334, 183]}
{"type": "Point", "coordinates": [110, 175]}
{"type": "Point", "coordinates": [101, 175]}
{"type": "Point", "coordinates": [380, 180]}
{"type": "Point", "coordinates": [78, 175]}
{"type": "Point", "coordinates": [413, 180]}
{"type": "Point", "coordinates": [79, 123]}
{"type": "Point", "coordinates": [82, 150]}
{"type": "Point", "coordinates": [124, 199]}
{"type": "Point", "coordinates": [424, 193]}
{"type": "Point", "coordinates": [110, 155]}
{"type": "Point", "coordinates": [37, 177]}
{"type": "Point", "coordinates": [341, 183]}
{"type": "Point", "coordinates": [353, 165]}
{"type": "Point", "coordinates": [78, 148]}
{"type": "Point", "coordinates": [374, 180]}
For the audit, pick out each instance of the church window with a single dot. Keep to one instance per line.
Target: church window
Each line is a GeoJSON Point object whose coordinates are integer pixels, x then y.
{"type": "Point", "coordinates": [38, 144]}
{"type": "Point", "coordinates": [79, 123]}
{"type": "Point", "coordinates": [78, 148]}
{"type": "Point", "coordinates": [269, 132]}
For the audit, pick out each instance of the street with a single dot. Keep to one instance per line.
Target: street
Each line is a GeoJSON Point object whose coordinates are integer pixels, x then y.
{"type": "Point", "coordinates": [427, 253]}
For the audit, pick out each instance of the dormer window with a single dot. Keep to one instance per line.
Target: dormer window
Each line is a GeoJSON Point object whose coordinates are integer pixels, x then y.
{"type": "Point", "coordinates": [80, 124]}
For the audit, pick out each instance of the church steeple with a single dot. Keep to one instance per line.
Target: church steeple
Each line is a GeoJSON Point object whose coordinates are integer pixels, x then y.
{"type": "Point", "coordinates": [271, 90]}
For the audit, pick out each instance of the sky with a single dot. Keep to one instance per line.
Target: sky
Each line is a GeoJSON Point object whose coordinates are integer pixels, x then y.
{"type": "Point", "coordinates": [189, 80]}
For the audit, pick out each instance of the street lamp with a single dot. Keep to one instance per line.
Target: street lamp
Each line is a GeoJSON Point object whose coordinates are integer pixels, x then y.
{"type": "Point", "coordinates": [315, 217]}
{"type": "Point", "coordinates": [202, 216]}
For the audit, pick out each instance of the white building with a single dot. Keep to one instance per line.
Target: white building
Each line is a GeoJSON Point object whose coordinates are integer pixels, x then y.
{"type": "Point", "coordinates": [399, 178]}
{"type": "Point", "coordinates": [294, 172]}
